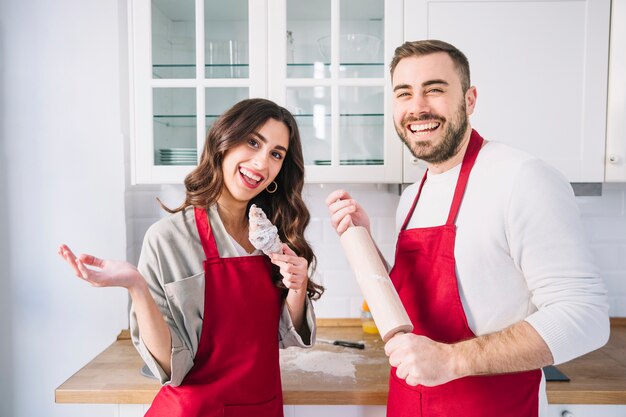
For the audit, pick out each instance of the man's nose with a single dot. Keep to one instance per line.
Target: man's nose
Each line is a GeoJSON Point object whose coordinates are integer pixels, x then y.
{"type": "Point", "coordinates": [419, 105]}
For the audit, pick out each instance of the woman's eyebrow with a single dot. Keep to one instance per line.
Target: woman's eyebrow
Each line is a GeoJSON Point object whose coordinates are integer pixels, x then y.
{"type": "Point", "coordinates": [264, 140]}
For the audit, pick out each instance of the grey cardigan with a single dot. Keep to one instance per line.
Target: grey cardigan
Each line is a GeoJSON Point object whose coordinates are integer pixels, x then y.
{"type": "Point", "coordinates": [171, 262]}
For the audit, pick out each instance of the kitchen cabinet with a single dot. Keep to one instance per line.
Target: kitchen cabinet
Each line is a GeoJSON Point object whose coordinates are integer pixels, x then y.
{"type": "Point", "coordinates": [582, 410]}
{"type": "Point", "coordinates": [135, 410]}
{"type": "Point", "coordinates": [616, 122]}
{"type": "Point", "coordinates": [190, 60]}
{"type": "Point", "coordinates": [540, 68]}
{"type": "Point", "coordinates": [324, 60]}
{"type": "Point", "coordinates": [333, 78]}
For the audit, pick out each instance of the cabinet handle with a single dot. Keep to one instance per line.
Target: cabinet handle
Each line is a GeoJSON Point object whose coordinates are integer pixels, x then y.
{"type": "Point", "coordinates": [567, 414]}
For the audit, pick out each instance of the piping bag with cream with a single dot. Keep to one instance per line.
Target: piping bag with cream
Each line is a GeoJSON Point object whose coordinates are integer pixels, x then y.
{"type": "Point", "coordinates": [378, 290]}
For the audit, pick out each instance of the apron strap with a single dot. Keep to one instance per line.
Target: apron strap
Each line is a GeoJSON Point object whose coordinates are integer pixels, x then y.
{"type": "Point", "coordinates": [204, 230]}
{"type": "Point", "coordinates": [475, 143]}
{"type": "Point", "coordinates": [471, 153]}
{"type": "Point", "coordinates": [417, 197]}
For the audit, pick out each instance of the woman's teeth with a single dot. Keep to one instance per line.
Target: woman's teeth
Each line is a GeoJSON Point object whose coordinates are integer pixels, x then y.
{"type": "Point", "coordinates": [250, 175]}
{"type": "Point", "coordinates": [423, 127]}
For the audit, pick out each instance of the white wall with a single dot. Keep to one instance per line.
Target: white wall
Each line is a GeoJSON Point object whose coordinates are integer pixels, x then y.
{"type": "Point", "coordinates": [62, 179]}
{"type": "Point", "coordinates": [6, 327]}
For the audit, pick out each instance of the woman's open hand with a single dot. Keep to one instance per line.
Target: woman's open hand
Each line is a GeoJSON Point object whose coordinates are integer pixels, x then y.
{"type": "Point", "coordinates": [102, 272]}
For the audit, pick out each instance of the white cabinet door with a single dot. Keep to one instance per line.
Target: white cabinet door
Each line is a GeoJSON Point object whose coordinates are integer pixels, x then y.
{"type": "Point", "coordinates": [584, 410]}
{"type": "Point", "coordinates": [540, 68]}
{"type": "Point", "coordinates": [554, 410]}
{"type": "Point", "coordinates": [335, 410]}
{"type": "Point", "coordinates": [616, 122]}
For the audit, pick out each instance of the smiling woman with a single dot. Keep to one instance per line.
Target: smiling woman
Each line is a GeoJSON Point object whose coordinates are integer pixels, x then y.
{"type": "Point", "coordinates": [256, 162]}
{"type": "Point", "coordinates": [201, 287]}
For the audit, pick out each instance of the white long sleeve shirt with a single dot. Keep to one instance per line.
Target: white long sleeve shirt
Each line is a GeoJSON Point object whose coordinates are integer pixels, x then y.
{"type": "Point", "coordinates": [520, 250]}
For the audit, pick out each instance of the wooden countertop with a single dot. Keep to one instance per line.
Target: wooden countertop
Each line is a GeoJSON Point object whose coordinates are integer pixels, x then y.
{"type": "Point", "coordinates": [330, 374]}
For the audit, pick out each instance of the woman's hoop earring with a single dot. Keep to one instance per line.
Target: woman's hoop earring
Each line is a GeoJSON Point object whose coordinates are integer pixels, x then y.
{"type": "Point", "coordinates": [273, 190]}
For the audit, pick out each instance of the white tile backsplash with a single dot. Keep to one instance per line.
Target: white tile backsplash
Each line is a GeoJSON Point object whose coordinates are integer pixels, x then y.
{"type": "Point", "coordinates": [604, 219]}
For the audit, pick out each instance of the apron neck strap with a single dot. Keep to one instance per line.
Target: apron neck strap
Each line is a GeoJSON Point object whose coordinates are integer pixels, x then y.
{"type": "Point", "coordinates": [471, 153]}
{"type": "Point", "coordinates": [204, 230]}
{"type": "Point", "coordinates": [417, 197]}
{"type": "Point", "coordinates": [473, 147]}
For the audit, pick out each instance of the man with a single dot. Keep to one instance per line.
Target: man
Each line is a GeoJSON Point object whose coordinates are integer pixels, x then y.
{"type": "Point", "coordinates": [491, 262]}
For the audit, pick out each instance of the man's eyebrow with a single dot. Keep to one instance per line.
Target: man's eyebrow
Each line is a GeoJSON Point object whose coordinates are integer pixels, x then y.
{"type": "Point", "coordinates": [431, 82]}
{"type": "Point", "coordinates": [264, 140]}
{"type": "Point", "coordinates": [424, 84]}
{"type": "Point", "coordinates": [402, 87]}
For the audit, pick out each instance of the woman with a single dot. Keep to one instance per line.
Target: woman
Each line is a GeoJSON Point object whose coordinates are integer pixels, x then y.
{"type": "Point", "coordinates": [206, 307]}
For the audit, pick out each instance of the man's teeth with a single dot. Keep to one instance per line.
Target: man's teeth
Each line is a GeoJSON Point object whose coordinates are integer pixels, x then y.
{"type": "Point", "coordinates": [424, 126]}
{"type": "Point", "coordinates": [250, 175]}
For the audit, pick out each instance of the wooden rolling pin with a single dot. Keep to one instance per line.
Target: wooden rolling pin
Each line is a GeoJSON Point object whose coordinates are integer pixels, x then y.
{"type": "Point", "coordinates": [380, 294]}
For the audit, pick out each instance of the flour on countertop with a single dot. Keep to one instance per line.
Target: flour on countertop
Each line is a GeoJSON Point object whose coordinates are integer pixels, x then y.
{"type": "Point", "coordinates": [339, 364]}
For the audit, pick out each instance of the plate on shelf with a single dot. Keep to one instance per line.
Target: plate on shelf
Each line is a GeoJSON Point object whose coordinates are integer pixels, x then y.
{"type": "Point", "coordinates": [177, 151]}
{"type": "Point", "coordinates": [177, 156]}
{"type": "Point", "coordinates": [351, 162]}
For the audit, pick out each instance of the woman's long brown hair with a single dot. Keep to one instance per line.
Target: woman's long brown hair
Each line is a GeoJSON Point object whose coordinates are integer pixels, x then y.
{"type": "Point", "coordinates": [285, 208]}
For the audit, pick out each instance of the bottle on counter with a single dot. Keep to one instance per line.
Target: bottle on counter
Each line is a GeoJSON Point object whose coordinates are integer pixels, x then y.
{"type": "Point", "coordinates": [367, 321]}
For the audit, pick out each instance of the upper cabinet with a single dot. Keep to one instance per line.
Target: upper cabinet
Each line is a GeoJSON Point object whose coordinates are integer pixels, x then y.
{"type": "Point", "coordinates": [616, 122]}
{"type": "Point", "coordinates": [190, 61]}
{"type": "Point", "coordinates": [540, 68]}
{"type": "Point", "coordinates": [324, 61]}
{"type": "Point", "coordinates": [328, 66]}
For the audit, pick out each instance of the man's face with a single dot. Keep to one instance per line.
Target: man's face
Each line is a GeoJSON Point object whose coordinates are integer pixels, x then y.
{"type": "Point", "coordinates": [430, 111]}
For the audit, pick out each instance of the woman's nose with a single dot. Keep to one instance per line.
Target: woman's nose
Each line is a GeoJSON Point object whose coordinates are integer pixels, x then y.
{"type": "Point", "coordinates": [260, 160]}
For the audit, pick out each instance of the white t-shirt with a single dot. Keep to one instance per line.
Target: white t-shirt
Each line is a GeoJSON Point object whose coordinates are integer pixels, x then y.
{"type": "Point", "coordinates": [520, 250]}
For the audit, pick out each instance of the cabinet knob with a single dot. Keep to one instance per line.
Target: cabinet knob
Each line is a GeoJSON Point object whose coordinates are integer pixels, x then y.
{"type": "Point", "coordinates": [614, 159]}
{"type": "Point", "coordinates": [567, 414]}
{"type": "Point", "coordinates": [415, 161]}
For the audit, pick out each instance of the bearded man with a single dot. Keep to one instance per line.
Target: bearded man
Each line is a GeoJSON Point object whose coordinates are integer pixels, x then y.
{"type": "Point", "coordinates": [491, 263]}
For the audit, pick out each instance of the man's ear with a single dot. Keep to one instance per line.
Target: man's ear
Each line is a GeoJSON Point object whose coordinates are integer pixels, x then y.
{"type": "Point", "coordinates": [470, 99]}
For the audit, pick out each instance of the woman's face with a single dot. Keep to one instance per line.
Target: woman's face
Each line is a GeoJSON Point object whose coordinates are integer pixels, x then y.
{"type": "Point", "coordinates": [251, 166]}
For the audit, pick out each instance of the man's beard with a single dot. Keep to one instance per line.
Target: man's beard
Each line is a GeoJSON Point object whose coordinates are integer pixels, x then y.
{"type": "Point", "coordinates": [452, 137]}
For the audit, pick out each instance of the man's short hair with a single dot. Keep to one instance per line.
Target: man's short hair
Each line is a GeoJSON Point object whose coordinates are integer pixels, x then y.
{"type": "Point", "coordinates": [431, 46]}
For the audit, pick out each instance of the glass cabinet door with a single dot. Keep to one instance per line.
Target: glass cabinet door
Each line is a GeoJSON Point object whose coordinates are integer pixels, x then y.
{"type": "Point", "coordinates": [174, 126]}
{"type": "Point", "coordinates": [361, 37]}
{"type": "Point", "coordinates": [191, 61]}
{"type": "Point", "coordinates": [331, 74]}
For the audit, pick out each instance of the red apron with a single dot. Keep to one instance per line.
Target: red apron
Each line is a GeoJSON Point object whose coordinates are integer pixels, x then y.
{"type": "Point", "coordinates": [236, 371]}
{"type": "Point", "coordinates": [425, 277]}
